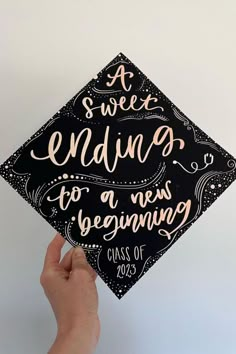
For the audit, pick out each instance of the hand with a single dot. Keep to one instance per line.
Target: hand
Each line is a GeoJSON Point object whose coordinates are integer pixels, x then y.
{"type": "Point", "coordinates": [70, 287]}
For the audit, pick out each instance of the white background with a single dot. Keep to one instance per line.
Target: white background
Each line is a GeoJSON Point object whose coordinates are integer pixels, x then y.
{"type": "Point", "coordinates": [49, 49]}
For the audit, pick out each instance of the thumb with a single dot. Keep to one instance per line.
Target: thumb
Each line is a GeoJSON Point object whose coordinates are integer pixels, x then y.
{"type": "Point", "coordinates": [79, 259]}
{"type": "Point", "coordinates": [79, 262]}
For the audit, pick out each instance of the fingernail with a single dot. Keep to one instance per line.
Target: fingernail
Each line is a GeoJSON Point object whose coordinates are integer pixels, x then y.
{"type": "Point", "coordinates": [79, 250]}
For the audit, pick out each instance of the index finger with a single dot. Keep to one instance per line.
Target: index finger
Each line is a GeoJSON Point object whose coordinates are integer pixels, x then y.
{"type": "Point", "coordinates": [53, 253]}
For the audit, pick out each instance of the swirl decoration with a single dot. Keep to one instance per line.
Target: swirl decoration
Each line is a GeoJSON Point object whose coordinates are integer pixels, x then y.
{"type": "Point", "coordinates": [67, 233]}
{"type": "Point", "coordinates": [143, 116]}
{"type": "Point", "coordinates": [196, 131]}
{"type": "Point", "coordinates": [203, 182]}
{"type": "Point", "coordinates": [104, 92]}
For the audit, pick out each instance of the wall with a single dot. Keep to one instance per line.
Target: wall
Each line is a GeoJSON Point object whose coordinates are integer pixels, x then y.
{"type": "Point", "coordinates": [49, 49]}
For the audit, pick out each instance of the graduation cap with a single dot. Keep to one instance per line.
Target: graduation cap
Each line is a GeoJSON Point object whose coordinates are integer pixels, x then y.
{"type": "Point", "coordinates": [120, 171]}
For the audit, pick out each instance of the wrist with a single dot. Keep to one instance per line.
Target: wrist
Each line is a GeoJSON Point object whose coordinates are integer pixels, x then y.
{"type": "Point", "coordinates": [72, 341]}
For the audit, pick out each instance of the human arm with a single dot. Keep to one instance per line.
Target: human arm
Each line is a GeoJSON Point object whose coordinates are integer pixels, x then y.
{"type": "Point", "coordinates": [69, 285]}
